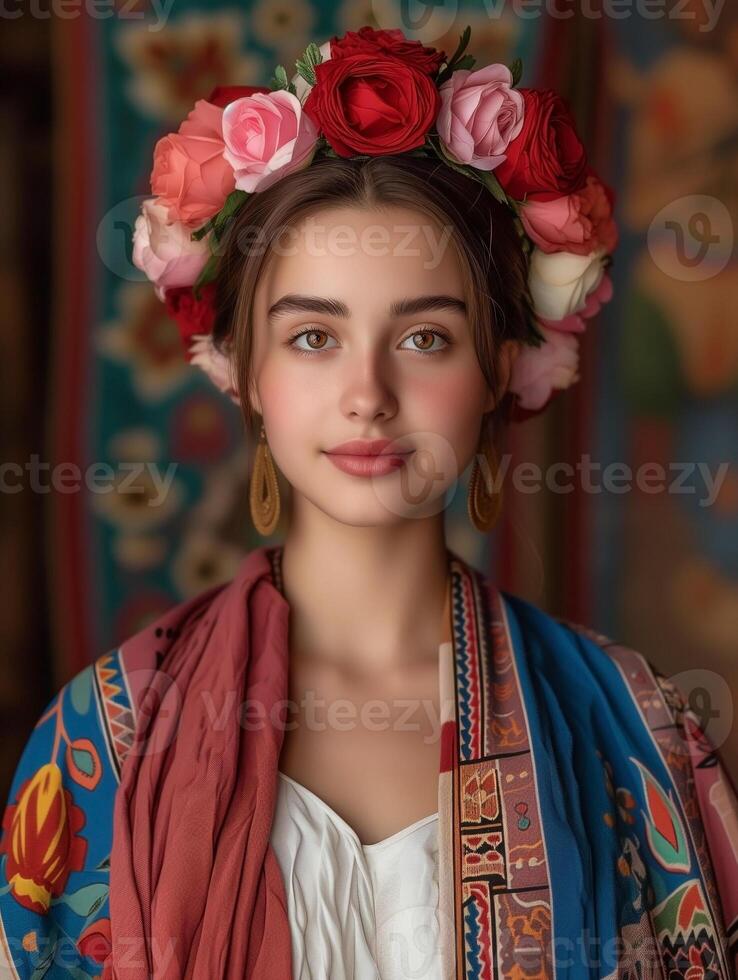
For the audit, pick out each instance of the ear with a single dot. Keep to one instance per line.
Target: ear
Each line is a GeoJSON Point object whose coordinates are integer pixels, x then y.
{"type": "Point", "coordinates": [506, 355]}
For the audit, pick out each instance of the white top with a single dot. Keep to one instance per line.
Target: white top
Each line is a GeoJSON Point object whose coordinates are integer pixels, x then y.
{"type": "Point", "coordinates": [357, 911]}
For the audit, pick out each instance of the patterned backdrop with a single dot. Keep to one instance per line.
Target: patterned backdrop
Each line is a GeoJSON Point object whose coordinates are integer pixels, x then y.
{"type": "Point", "coordinates": [656, 103]}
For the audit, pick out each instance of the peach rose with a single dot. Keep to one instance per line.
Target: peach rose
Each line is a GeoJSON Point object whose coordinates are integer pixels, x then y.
{"type": "Point", "coordinates": [480, 114]}
{"type": "Point", "coordinates": [191, 177]}
{"type": "Point", "coordinates": [538, 371]}
{"type": "Point", "coordinates": [164, 250]}
{"type": "Point", "coordinates": [267, 136]}
{"type": "Point", "coordinates": [578, 222]}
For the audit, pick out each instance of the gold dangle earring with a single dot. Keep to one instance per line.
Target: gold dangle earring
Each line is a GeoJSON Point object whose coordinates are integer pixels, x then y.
{"type": "Point", "coordinates": [264, 489]}
{"type": "Point", "coordinates": [484, 504]}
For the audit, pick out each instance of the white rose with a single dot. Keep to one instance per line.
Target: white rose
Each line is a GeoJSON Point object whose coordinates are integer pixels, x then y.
{"type": "Point", "coordinates": [301, 86]}
{"type": "Point", "coordinates": [561, 281]}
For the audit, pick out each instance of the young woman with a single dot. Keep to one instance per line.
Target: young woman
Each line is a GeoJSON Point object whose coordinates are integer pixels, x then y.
{"type": "Point", "coordinates": [361, 759]}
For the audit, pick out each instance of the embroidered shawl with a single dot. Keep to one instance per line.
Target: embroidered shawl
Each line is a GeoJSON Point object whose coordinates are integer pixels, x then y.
{"type": "Point", "coordinates": [586, 824]}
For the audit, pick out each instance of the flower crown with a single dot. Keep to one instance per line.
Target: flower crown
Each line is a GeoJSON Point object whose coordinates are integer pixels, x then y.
{"type": "Point", "coordinates": [373, 93]}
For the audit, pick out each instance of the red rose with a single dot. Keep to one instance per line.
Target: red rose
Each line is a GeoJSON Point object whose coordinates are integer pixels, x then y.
{"type": "Point", "coordinates": [393, 42]}
{"type": "Point", "coordinates": [192, 316]}
{"type": "Point", "coordinates": [368, 103]}
{"type": "Point", "coordinates": [223, 94]}
{"type": "Point", "coordinates": [546, 159]}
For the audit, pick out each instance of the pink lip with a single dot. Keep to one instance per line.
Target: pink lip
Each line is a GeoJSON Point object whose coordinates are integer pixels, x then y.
{"type": "Point", "coordinates": [368, 457]}
{"type": "Point", "coordinates": [368, 447]}
{"type": "Point", "coordinates": [376, 465]}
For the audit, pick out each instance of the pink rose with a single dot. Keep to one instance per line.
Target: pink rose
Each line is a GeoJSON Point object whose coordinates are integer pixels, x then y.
{"type": "Point", "coordinates": [539, 371]}
{"type": "Point", "coordinates": [480, 114]}
{"type": "Point", "coordinates": [164, 251]}
{"type": "Point", "coordinates": [267, 136]}
{"type": "Point", "coordinates": [216, 366]}
{"type": "Point", "coordinates": [578, 222]}
{"type": "Point", "coordinates": [191, 177]}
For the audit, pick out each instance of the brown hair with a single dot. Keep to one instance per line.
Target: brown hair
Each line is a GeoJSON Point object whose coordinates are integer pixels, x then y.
{"type": "Point", "coordinates": [493, 262]}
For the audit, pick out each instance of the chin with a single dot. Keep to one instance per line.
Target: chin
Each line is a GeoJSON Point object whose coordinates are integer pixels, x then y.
{"type": "Point", "coordinates": [364, 516]}
{"type": "Point", "coordinates": [389, 511]}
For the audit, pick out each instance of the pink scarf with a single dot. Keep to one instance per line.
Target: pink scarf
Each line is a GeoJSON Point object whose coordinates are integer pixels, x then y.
{"type": "Point", "coordinates": [195, 887]}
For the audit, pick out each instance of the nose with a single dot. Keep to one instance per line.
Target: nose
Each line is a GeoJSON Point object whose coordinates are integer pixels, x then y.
{"type": "Point", "coordinates": [367, 392]}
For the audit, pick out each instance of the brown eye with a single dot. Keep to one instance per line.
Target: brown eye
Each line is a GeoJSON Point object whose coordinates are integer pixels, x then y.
{"type": "Point", "coordinates": [423, 341]}
{"type": "Point", "coordinates": [427, 340]}
{"type": "Point", "coordinates": [315, 340]}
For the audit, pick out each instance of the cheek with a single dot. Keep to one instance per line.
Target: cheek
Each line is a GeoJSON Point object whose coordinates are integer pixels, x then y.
{"type": "Point", "coordinates": [291, 402]}
{"type": "Point", "coordinates": [452, 400]}
{"type": "Point", "coordinates": [451, 406]}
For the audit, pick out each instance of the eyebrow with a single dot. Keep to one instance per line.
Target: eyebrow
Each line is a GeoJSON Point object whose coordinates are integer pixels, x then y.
{"type": "Point", "coordinates": [295, 303]}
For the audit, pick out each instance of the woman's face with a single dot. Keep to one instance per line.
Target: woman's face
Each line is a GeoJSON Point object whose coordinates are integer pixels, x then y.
{"type": "Point", "coordinates": [361, 333]}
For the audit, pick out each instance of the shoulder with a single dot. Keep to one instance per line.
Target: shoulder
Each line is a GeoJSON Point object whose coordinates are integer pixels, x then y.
{"type": "Point", "coordinates": [57, 824]}
{"type": "Point", "coordinates": [560, 645]}
{"type": "Point", "coordinates": [86, 728]}
{"type": "Point", "coordinates": [601, 695]}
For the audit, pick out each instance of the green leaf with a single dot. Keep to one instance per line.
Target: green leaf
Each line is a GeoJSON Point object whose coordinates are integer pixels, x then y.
{"type": "Point", "coordinates": [463, 41]}
{"type": "Point", "coordinates": [520, 228]}
{"type": "Point", "coordinates": [452, 64]}
{"type": "Point", "coordinates": [200, 233]}
{"type": "Point", "coordinates": [466, 62]}
{"type": "Point", "coordinates": [280, 80]}
{"type": "Point", "coordinates": [419, 151]}
{"type": "Point", "coordinates": [516, 69]}
{"type": "Point", "coordinates": [493, 186]}
{"type": "Point", "coordinates": [313, 54]}
{"type": "Point", "coordinates": [449, 160]}
{"type": "Point", "coordinates": [232, 203]}
{"type": "Point", "coordinates": [307, 73]}
{"type": "Point", "coordinates": [207, 275]}
{"type": "Point", "coordinates": [306, 65]}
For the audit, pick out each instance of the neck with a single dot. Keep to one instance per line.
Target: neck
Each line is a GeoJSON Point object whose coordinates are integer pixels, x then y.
{"type": "Point", "coordinates": [364, 597]}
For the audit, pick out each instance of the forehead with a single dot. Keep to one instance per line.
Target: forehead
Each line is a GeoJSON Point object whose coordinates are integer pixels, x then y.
{"type": "Point", "coordinates": [366, 254]}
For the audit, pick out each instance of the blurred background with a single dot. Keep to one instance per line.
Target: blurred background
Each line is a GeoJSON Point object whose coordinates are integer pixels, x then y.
{"type": "Point", "coordinates": [92, 370]}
